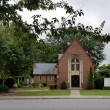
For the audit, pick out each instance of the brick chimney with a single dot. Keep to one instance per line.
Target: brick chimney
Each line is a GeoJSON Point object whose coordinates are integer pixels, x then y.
{"type": "Point", "coordinates": [62, 51]}
{"type": "Point", "coordinates": [34, 65]}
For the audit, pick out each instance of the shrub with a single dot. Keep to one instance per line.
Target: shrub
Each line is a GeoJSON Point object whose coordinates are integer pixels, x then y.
{"type": "Point", "coordinates": [35, 85]}
{"type": "Point", "coordinates": [15, 85]}
{"type": "Point", "coordinates": [9, 82]}
{"type": "Point", "coordinates": [44, 84]}
{"type": "Point", "coordinates": [40, 85]}
{"type": "Point", "coordinates": [52, 86]}
{"type": "Point", "coordinates": [3, 88]}
{"type": "Point", "coordinates": [19, 86]}
{"type": "Point", "coordinates": [1, 81]}
{"type": "Point", "coordinates": [90, 83]}
{"type": "Point", "coordinates": [99, 82]}
{"type": "Point", "coordinates": [63, 85]}
{"type": "Point", "coordinates": [107, 88]}
{"type": "Point", "coordinates": [21, 82]}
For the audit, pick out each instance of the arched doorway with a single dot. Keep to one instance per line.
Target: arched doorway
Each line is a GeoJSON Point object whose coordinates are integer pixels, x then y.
{"type": "Point", "coordinates": [75, 81]}
{"type": "Point", "coordinates": [75, 72]}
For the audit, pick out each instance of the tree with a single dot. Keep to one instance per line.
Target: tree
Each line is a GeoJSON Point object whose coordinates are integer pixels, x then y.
{"type": "Point", "coordinates": [16, 52]}
{"type": "Point", "coordinates": [90, 83]}
{"type": "Point", "coordinates": [9, 12]}
{"type": "Point", "coordinates": [45, 52]}
{"type": "Point", "coordinates": [93, 47]}
{"type": "Point", "coordinates": [63, 85]}
{"type": "Point", "coordinates": [102, 72]}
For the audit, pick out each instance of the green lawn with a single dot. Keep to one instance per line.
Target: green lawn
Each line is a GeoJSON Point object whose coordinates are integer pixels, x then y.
{"type": "Point", "coordinates": [95, 92]}
{"type": "Point", "coordinates": [31, 88]}
{"type": "Point", "coordinates": [45, 93]}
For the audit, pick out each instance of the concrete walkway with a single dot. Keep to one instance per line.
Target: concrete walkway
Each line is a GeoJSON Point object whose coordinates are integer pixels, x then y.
{"type": "Point", "coordinates": [75, 93]}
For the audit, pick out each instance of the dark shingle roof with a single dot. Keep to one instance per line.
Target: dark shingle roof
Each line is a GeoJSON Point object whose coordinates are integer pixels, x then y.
{"type": "Point", "coordinates": [44, 68]}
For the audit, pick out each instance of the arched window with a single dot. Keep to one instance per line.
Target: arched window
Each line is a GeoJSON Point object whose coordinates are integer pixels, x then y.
{"type": "Point", "coordinates": [73, 60]}
{"type": "Point", "coordinates": [75, 64]}
{"type": "Point", "coordinates": [77, 60]}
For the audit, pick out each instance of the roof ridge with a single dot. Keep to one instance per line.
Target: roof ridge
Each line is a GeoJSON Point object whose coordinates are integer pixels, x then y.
{"type": "Point", "coordinates": [70, 46]}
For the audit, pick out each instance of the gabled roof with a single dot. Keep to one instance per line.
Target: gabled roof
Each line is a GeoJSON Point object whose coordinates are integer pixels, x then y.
{"type": "Point", "coordinates": [44, 68]}
{"type": "Point", "coordinates": [59, 56]}
{"type": "Point", "coordinates": [80, 47]}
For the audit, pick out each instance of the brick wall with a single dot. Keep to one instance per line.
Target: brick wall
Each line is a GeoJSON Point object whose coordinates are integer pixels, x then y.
{"type": "Point", "coordinates": [49, 79]}
{"type": "Point", "coordinates": [74, 49]}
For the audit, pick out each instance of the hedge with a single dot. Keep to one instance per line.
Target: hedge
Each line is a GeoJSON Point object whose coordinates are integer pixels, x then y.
{"type": "Point", "coordinates": [4, 88]}
{"type": "Point", "coordinates": [107, 88]}
{"type": "Point", "coordinates": [44, 84]}
{"type": "Point", "coordinates": [52, 86]}
{"type": "Point", "coordinates": [35, 85]}
{"type": "Point", "coordinates": [99, 82]}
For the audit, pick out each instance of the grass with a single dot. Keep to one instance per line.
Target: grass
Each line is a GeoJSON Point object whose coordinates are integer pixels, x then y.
{"type": "Point", "coordinates": [45, 93]}
{"type": "Point", "coordinates": [95, 92]}
{"type": "Point", "coordinates": [31, 88]}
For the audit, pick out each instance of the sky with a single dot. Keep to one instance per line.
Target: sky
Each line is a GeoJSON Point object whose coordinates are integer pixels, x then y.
{"type": "Point", "coordinates": [95, 12]}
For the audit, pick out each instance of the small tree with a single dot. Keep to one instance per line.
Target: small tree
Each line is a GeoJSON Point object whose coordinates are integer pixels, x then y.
{"type": "Point", "coordinates": [63, 85]}
{"type": "Point", "coordinates": [90, 83]}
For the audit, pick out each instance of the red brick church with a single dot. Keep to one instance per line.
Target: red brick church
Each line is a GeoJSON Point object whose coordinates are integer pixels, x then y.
{"type": "Point", "coordinates": [73, 67]}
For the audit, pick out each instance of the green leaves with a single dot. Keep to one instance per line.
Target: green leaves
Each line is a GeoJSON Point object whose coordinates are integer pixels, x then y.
{"type": "Point", "coordinates": [90, 83]}
{"type": "Point", "coordinates": [9, 12]}
{"type": "Point", "coordinates": [16, 51]}
{"type": "Point", "coordinates": [103, 71]}
{"type": "Point", "coordinates": [93, 47]}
